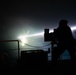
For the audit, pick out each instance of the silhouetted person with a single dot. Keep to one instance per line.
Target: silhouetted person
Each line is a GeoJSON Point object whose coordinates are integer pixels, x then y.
{"type": "Point", "coordinates": [63, 35]}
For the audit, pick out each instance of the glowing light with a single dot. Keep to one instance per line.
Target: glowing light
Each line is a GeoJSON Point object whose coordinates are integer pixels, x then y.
{"type": "Point", "coordinates": [37, 34]}
{"type": "Point", "coordinates": [23, 39]}
{"type": "Point", "coordinates": [73, 28]}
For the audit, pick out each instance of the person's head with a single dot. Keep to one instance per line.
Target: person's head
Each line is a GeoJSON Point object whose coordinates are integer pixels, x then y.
{"type": "Point", "coordinates": [63, 22]}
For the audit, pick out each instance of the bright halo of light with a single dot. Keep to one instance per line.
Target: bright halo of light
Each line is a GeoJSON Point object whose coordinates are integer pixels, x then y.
{"type": "Point", "coordinates": [73, 28]}
{"type": "Point", "coordinates": [37, 34]}
{"type": "Point", "coordinates": [23, 40]}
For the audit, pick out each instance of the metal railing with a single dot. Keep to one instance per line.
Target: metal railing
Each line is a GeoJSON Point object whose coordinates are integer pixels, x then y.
{"type": "Point", "coordinates": [13, 41]}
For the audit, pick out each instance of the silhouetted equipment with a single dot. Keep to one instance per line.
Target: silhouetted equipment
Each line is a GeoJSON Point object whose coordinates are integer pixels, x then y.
{"type": "Point", "coordinates": [61, 39]}
{"type": "Point", "coordinates": [34, 57]}
{"type": "Point", "coordinates": [49, 36]}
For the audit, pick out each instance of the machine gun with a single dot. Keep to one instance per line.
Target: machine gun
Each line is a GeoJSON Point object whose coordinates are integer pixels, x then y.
{"type": "Point", "coordinates": [50, 37]}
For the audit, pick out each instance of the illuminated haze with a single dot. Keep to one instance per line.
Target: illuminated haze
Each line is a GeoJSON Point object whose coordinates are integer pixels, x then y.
{"type": "Point", "coordinates": [18, 17]}
{"type": "Point", "coordinates": [34, 30]}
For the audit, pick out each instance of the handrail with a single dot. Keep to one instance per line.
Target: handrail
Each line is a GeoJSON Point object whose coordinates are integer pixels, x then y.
{"type": "Point", "coordinates": [13, 41]}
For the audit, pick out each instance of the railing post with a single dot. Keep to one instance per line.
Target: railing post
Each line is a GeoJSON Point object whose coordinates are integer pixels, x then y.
{"type": "Point", "coordinates": [18, 49]}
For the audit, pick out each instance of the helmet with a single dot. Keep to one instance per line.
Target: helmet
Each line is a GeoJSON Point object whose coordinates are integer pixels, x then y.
{"type": "Point", "coordinates": [63, 22]}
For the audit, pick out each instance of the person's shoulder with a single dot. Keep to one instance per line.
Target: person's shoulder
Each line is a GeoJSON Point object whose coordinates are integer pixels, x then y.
{"type": "Point", "coordinates": [69, 27]}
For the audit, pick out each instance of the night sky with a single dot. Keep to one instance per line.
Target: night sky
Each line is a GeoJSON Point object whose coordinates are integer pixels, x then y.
{"type": "Point", "coordinates": [19, 17]}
